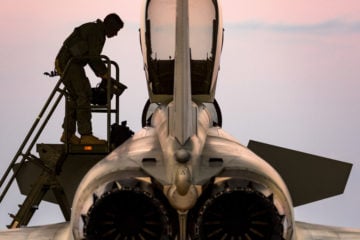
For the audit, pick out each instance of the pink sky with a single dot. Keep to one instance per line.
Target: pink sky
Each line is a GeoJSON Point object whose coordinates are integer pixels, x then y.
{"type": "Point", "coordinates": [294, 11]}
{"type": "Point", "coordinates": [275, 11]}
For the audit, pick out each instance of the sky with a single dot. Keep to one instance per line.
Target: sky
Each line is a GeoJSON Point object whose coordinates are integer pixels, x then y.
{"type": "Point", "coordinates": [289, 76]}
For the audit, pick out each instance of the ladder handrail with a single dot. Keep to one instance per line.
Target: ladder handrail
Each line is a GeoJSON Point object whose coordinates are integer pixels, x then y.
{"type": "Point", "coordinates": [62, 92]}
{"type": "Point", "coordinates": [117, 78]}
{"type": "Point", "coordinates": [22, 146]}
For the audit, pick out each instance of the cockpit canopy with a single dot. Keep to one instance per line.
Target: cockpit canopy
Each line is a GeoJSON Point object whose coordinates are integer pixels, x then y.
{"type": "Point", "coordinates": [158, 38]}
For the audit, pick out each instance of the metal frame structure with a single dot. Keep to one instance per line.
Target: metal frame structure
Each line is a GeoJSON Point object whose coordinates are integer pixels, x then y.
{"type": "Point", "coordinates": [52, 156]}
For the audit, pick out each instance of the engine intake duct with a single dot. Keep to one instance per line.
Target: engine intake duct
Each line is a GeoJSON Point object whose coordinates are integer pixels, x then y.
{"type": "Point", "coordinates": [128, 210]}
{"type": "Point", "coordinates": [239, 210]}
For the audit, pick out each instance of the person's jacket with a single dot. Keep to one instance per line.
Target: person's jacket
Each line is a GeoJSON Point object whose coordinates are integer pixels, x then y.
{"type": "Point", "coordinates": [86, 40]}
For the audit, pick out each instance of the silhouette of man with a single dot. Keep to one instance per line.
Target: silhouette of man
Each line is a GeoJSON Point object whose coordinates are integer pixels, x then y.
{"type": "Point", "coordinates": [86, 40]}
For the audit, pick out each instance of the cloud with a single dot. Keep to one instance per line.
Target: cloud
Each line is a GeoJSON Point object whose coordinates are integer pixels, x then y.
{"type": "Point", "coordinates": [334, 26]}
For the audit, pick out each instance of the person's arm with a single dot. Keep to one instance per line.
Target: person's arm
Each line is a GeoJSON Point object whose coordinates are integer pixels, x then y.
{"type": "Point", "coordinates": [96, 43]}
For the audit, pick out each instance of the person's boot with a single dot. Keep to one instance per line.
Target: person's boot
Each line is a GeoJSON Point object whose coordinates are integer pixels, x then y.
{"type": "Point", "coordinates": [91, 140]}
{"type": "Point", "coordinates": [72, 139]}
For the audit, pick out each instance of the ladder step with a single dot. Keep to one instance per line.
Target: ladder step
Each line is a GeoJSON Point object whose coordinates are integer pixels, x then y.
{"type": "Point", "coordinates": [102, 111]}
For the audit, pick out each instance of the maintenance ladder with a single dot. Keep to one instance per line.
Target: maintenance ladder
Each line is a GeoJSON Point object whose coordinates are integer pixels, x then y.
{"type": "Point", "coordinates": [59, 167]}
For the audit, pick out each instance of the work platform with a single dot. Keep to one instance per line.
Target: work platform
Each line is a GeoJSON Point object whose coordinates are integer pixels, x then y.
{"type": "Point", "coordinates": [53, 177]}
{"type": "Point", "coordinates": [67, 168]}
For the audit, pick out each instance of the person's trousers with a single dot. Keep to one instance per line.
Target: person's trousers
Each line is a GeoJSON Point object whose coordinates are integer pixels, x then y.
{"type": "Point", "coordinates": [78, 109]}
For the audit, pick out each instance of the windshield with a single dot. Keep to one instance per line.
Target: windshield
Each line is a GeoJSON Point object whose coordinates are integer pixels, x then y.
{"type": "Point", "coordinates": [161, 16]}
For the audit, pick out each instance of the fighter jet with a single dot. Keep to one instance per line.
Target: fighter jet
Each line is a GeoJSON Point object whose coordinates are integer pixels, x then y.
{"type": "Point", "coordinates": [182, 176]}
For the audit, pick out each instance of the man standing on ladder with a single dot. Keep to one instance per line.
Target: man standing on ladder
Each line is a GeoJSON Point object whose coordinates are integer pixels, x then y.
{"type": "Point", "coordinates": [86, 40]}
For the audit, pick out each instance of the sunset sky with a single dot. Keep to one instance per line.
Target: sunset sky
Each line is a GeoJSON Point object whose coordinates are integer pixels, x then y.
{"type": "Point", "coordinates": [290, 76]}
